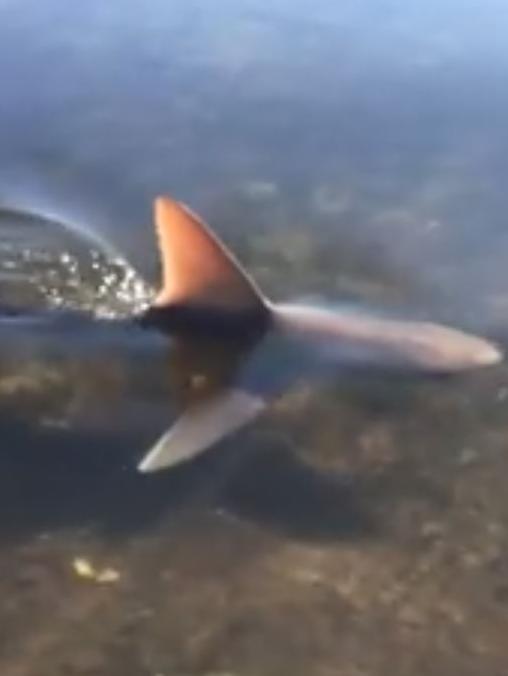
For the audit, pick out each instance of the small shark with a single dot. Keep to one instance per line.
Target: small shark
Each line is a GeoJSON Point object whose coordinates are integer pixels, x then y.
{"type": "Point", "coordinates": [222, 325]}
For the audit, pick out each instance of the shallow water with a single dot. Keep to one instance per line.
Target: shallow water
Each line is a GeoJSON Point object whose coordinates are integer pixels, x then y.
{"type": "Point", "coordinates": [355, 153]}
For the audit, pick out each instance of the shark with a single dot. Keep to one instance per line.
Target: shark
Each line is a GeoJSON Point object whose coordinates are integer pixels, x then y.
{"type": "Point", "coordinates": [220, 327]}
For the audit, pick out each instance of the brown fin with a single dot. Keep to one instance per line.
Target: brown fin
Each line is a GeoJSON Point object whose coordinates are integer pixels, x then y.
{"type": "Point", "coordinates": [196, 268]}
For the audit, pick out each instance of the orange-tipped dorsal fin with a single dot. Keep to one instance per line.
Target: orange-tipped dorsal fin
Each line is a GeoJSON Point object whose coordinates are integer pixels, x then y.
{"type": "Point", "coordinates": [197, 269]}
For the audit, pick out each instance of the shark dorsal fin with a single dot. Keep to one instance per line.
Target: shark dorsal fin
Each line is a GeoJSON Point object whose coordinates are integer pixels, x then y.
{"type": "Point", "coordinates": [197, 269]}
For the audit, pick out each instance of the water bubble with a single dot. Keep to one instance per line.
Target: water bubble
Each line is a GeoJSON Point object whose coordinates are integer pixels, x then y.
{"type": "Point", "coordinates": [56, 268]}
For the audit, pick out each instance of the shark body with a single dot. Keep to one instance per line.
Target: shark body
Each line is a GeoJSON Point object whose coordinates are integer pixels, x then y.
{"type": "Point", "coordinates": [220, 324]}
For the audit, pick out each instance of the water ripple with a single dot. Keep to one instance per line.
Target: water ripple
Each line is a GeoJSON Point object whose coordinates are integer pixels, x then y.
{"type": "Point", "coordinates": [44, 262]}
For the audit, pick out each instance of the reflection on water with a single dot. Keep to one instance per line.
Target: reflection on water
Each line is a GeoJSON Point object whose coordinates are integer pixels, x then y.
{"type": "Point", "coordinates": [355, 152]}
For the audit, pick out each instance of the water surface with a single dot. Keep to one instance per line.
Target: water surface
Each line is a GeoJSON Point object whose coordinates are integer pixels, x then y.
{"type": "Point", "coordinates": [354, 152]}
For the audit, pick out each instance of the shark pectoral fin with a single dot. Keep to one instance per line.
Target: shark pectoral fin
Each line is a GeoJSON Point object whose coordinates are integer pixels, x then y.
{"type": "Point", "coordinates": [201, 426]}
